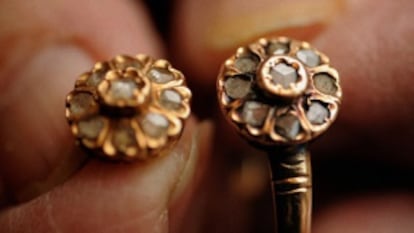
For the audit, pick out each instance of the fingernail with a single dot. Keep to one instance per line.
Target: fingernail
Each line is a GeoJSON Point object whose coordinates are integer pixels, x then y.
{"type": "Point", "coordinates": [36, 147]}
{"type": "Point", "coordinates": [235, 22]}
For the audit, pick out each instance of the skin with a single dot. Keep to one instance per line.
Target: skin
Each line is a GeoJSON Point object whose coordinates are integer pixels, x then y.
{"type": "Point", "coordinates": [362, 167]}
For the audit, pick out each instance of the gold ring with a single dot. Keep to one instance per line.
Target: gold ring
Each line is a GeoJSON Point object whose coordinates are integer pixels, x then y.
{"type": "Point", "coordinates": [129, 107]}
{"type": "Point", "coordinates": [279, 94]}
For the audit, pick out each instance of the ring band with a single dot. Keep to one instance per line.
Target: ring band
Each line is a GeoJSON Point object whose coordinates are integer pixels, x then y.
{"type": "Point", "coordinates": [280, 94]}
{"type": "Point", "coordinates": [129, 107]}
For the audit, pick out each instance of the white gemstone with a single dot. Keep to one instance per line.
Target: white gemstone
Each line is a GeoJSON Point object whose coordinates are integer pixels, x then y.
{"type": "Point", "coordinates": [254, 113]}
{"type": "Point", "coordinates": [246, 64]}
{"type": "Point", "coordinates": [317, 113]}
{"type": "Point", "coordinates": [277, 48]}
{"type": "Point", "coordinates": [81, 103]}
{"type": "Point", "coordinates": [237, 87]}
{"type": "Point", "coordinates": [160, 76]}
{"type": "Point", "coordinates": [95, 78]}
{"type": "Point", "coordinates": [122, 89]}
{"type": "Point", "coordinates": [91, 128]}
{"type": "Point", "coordinates": [283, 74]}
{"type": "Point", "coordinates": [325, 83]}
{"type": "Point", "coordinates": [309, 57]}
{"type": "Point", "coordinates": [124, 137]}
{"type": "Point", "coordinates": [154, 125]}
{"type": "Point", "coordinates": [288, 126]}
{"type": "Point", "coordinates": [171, 99]}
{"type": "Point", "coordinates": [126, 62]}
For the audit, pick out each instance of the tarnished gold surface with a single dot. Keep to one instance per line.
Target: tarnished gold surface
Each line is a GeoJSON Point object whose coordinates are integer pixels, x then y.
{"type": "Point", "coordinates": [281, 101]}
{"type": "Point", "coordinates": [129, 107]}
{"type": "Point", "coordinates": [280, 94]}
{"type": "Point", "coordinates": [292, 189]}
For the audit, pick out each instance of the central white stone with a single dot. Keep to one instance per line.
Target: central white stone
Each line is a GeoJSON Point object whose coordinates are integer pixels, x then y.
{"type": "Point", "coordinates": [154, 125]}
{"type": "Point", "coordinates": [317, 113]}
{"type": "Point", "coordinates": [283, 74]}
{"type": "Point", "coordinates": [122, 89]}
{"type": "Point", "coordinates": [254, 113]}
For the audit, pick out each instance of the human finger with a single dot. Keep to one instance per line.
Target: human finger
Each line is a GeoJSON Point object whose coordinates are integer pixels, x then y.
{"type": "Point", "coordinates": [45, 45]}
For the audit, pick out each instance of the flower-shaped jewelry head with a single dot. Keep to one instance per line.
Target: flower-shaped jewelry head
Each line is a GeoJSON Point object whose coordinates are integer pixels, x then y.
{"type": "Point", "coordinates": [129, 107]}
{"type": "Point", "coordinates": [279, 91]}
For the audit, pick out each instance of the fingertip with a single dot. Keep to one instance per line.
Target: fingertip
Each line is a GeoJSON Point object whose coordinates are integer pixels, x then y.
{"type": "Point", "coordinates": [209, 32]}
{"type": "Point", "coordinates": [45, 49]}
{"type": "Point", "coordinates": [127, 197]}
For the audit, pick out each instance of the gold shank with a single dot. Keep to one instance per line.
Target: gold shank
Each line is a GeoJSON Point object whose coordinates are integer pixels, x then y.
{"type": "Point", "coordinates": [290, 96]}
{"type": "Point", "coordinates": [292, 189]}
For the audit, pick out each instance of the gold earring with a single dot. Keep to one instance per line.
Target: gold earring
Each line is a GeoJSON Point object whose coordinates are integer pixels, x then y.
{"type": "Point", "coordinates": [129, 107]}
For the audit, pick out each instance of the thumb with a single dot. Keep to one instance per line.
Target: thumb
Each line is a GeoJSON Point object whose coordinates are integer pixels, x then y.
{"type": "Point", "coordinates": [45, 45]}
{"type": "Point", "coordinates": [106, 197]}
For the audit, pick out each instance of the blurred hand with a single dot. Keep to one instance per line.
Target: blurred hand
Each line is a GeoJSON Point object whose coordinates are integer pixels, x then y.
{"type": "Point", "coordinates": [211, 181]}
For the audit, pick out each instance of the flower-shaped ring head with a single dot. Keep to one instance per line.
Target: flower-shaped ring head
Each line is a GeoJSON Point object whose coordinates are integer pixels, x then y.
{"type": "Point", "coordinates": [279, 91]}
{"type": "Point", "coordinates": [129, 107]}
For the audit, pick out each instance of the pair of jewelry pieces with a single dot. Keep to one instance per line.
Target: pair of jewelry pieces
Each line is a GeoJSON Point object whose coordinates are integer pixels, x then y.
{"type": "Point", "coordinates": [278, 93]}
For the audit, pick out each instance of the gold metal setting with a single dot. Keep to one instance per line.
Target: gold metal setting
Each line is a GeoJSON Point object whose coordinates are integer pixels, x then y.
{"type": "Point", "coordinates": [254, 64]}
{"type": "Point", "coordinates": [280, 94]}
{"type": "Point", "coordinates": [129, 107]}
{"type": "Point", "coordinates": [295, 89]}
